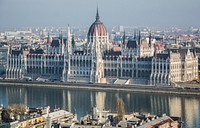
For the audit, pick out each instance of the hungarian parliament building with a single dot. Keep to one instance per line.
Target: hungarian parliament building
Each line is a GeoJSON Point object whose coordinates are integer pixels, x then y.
{"type": "Point", "coordinates": [136, 61]}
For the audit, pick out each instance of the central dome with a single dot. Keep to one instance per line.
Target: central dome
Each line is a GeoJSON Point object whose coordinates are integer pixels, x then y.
{"type": "Point", "coordinates": [101, 28]}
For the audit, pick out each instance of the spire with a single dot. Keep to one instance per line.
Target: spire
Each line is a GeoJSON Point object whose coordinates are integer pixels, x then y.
{"type": "Point", "coordinates": [134, 35]}
{"type": "Point", "coordinates": [97, 15]}
{"type": "Point", "coordinates": [150, 38]}
{"type": "Point", "coordinates": [139, 39]}
{"type": "Point", "coordinates": [73, 41]}
{"type": "Point", "coordinates": [155, 51]}
{"type": "Point", "coordinates": [60, 35]}
{"type": "Point", "coordinates": [69, 43]}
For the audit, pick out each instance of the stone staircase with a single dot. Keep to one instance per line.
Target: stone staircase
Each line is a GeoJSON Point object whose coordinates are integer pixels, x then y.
{"type": "Point", "coordinates": [120, 81]}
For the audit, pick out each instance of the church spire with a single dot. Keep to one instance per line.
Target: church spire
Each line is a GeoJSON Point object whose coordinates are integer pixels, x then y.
{"type": "Point", "coordinates": [97, 15]}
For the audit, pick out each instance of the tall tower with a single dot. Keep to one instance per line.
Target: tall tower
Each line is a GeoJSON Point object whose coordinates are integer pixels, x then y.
{"type": "Point", "coordinates": [97, 42]}
{"type": "Point", "coordinates": [73, 43]}
{"type": "Point", "coordinates": [67, 57]}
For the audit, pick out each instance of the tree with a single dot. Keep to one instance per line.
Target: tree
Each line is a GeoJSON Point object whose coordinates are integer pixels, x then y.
{"type": "Point", "coordinates": [120, 109]}
{"type": "Point", "coordinates": [17, 109]}
{"type": "Point", "coordinates": [12, 110]}
{"type": "Point", "coordinates": [5, 115]}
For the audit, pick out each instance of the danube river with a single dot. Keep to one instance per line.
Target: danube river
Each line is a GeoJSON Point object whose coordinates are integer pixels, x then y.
{"type": "Point", "coordinates": [82, 100]}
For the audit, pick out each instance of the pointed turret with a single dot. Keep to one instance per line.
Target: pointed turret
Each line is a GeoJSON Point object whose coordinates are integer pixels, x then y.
{"type": "Point", "coordinates": [150, 38]}
{"type": "Point", "coordinates": [73, 42]}
{"type": "Point", "coordinates": [139, 38]}
{"type": "Point", "coordinates": [155, 51]}
{"type": "Point", "coordinates": [134, 35]}
{"type": "Point", "coordinates": [124, 39]}
{"type": "Point", "coordinates": [69, 43]}
{"type": "Point", "coordinates": [68, 31]}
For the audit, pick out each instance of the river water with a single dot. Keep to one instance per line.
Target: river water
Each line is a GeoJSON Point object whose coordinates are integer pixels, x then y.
{"type": "Point", "coordinates": [82, 100]}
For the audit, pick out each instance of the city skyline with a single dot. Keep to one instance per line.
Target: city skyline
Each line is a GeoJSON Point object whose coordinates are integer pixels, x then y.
{"type": "Point", "coordinates": [49, 13]}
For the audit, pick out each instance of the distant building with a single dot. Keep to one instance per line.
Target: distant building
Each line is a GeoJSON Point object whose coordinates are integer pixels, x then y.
{"type": "Point", "coordinates": [106, 119]}
{"type": "Point", "coordinates": [138, 61]}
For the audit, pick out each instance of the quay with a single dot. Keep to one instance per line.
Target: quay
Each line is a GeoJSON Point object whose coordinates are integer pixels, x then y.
{"type": "Point", "coordinates": [180, 90]}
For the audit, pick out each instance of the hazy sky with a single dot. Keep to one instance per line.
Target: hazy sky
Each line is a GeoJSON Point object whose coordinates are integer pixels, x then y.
{"type": "Point", "coordinates": [39, 13]}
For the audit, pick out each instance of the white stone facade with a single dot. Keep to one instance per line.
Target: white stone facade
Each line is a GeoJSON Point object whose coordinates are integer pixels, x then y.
{"type": "Point", "coordinates": [97, 63]}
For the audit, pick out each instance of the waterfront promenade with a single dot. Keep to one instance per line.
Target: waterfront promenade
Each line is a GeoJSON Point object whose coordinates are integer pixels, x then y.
{"type": "Point", "coordinates": [181, 90]}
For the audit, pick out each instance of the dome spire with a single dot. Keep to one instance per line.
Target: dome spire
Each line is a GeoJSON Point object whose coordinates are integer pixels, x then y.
{"type": "Point", "coordinates": [97, 15]}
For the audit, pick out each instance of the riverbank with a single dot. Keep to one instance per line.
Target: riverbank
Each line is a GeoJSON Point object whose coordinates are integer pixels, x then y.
{"type": "Point", "coordinates": [111, 87]}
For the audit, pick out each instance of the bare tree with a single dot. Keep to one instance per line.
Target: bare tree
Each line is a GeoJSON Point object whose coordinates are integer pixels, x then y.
{"type": "Point", "coordinates": [120, 109]}
{"type": "Point", "coordinates": [17, 109]}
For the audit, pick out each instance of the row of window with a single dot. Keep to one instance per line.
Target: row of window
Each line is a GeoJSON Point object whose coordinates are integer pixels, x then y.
{"type": "Point", "coordinates": [114, 65]}
{"type": "Point", "coordinates": [127, 73]}
{"type": "Point", "coordinates": [48, 70]}
{"type": "Point", "coordinates": [47, 62]}
{"type": "Point", "coordinates": [81, 63]}
{"type": "Point", "coordinates": [45, 57]}
{"type": "Point", "coordinates": [80, 72]}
